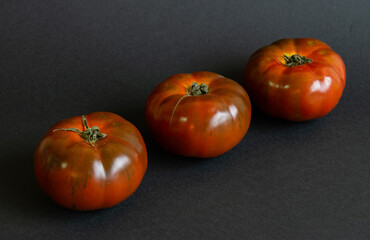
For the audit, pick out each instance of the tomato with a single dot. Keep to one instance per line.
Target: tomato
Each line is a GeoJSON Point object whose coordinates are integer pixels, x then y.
{"type": "Point", "coordinates": [90, 162]}
{"type": "Point", "coordinates": [295, 79]}
{"type": "Point", "coordinates": [202, 114]}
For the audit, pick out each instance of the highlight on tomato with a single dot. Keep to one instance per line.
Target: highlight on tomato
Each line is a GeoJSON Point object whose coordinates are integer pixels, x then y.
{"type": "Point", "coordinates": [90, 162]}
{"type": "Point", "coordinates": [201, 114]}
{"type": "Point", "coordinates": [295, 79]}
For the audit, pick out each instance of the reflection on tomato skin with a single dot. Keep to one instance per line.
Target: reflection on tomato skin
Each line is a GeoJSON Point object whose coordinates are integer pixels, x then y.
{"type": "Point", "coordinates": [205, 125]}
{"type": "Point", "coordinates": [299, 92]}
{"type": "Point", "coordinates": [81, 176]}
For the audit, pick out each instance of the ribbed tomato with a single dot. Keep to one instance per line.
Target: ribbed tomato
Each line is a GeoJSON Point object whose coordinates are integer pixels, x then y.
{"type": "Point", "coordinates": [90, 162]}
{"type": "Point", "coordinates": [202, 114]}
{"type": "Point", "coordinates": [295, 79]}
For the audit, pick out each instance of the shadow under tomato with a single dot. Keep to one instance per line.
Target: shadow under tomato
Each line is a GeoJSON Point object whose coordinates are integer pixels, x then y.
{"type": "Point", "coordinates": [18, 183]}
{"type": "Point", "coordinates": [262, 122]}
{"type": "Point", "coordinates": [22, 197]}
{"type": "Point", "coordinates": [263, 128]}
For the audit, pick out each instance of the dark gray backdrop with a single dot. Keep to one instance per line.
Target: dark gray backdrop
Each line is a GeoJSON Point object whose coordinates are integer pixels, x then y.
{"type": "Point", "coordinates": [283, 181]}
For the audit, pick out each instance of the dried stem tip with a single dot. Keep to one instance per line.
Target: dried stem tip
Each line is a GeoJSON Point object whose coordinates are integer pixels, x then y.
{"type": "Point", "coordinates": [91, 135]}
{"type": "Point", "coordinates": [295, 60]}
{"type": "Point", "coordinates": [197, 89]}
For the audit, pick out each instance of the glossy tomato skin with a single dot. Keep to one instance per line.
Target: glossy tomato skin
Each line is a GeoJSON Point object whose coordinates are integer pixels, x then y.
{"type": "Point", "coordinates": [80, 176]}
{"type": "Point", "coordinates": [198, 126]}
{"type": "Point", "coordinates": [296, 93]}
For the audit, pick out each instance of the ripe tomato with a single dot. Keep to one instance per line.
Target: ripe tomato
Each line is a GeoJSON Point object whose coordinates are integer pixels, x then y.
{"type": "Point", "coordinates": [295, 79]}
{"type": "Point", "coordinates": [91, 162]}
{"type": "Point", "coordinates": [202, 114]}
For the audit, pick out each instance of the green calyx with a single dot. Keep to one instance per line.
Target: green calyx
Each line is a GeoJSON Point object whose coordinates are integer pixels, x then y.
{"type": "Point", "coordinates": [91, 135]}
{"type": "Point", "coordinates": [198, 89]}
{"type": "Point", "coordinates": [295, 60]}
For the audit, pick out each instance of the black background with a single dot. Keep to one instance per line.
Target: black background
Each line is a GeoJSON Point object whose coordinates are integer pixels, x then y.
{"type": "Point", "coordinates": [285, 180]}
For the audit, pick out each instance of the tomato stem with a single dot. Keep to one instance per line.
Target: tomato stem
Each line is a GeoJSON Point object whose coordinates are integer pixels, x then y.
{"type": "Point", "coordinates": [198, 89]}
{"type": "Point", "coordinates": [295, 60]}
{"type": "Point", "coordinates": [91, 135]}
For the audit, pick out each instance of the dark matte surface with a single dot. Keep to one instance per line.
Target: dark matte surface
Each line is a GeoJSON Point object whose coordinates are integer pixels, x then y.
{"type": "Point", "coordinates": [283, 181]}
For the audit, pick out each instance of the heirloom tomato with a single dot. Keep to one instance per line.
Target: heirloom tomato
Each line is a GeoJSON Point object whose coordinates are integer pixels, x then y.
{"type": "Point", "coordinates": [202, 114]}
{"type": "Point", "coordinates": [90, 162]}
{"type": "Point", "coordinates": [295, 79]}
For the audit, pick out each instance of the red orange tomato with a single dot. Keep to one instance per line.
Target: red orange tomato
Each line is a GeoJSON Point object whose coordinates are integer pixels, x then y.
{"type": "Point", "coordinates": [202, 114]}
{"type": "Point", "coordinates": [91, 162]}
{"type": "Point", "coordinates": [295, 79]}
